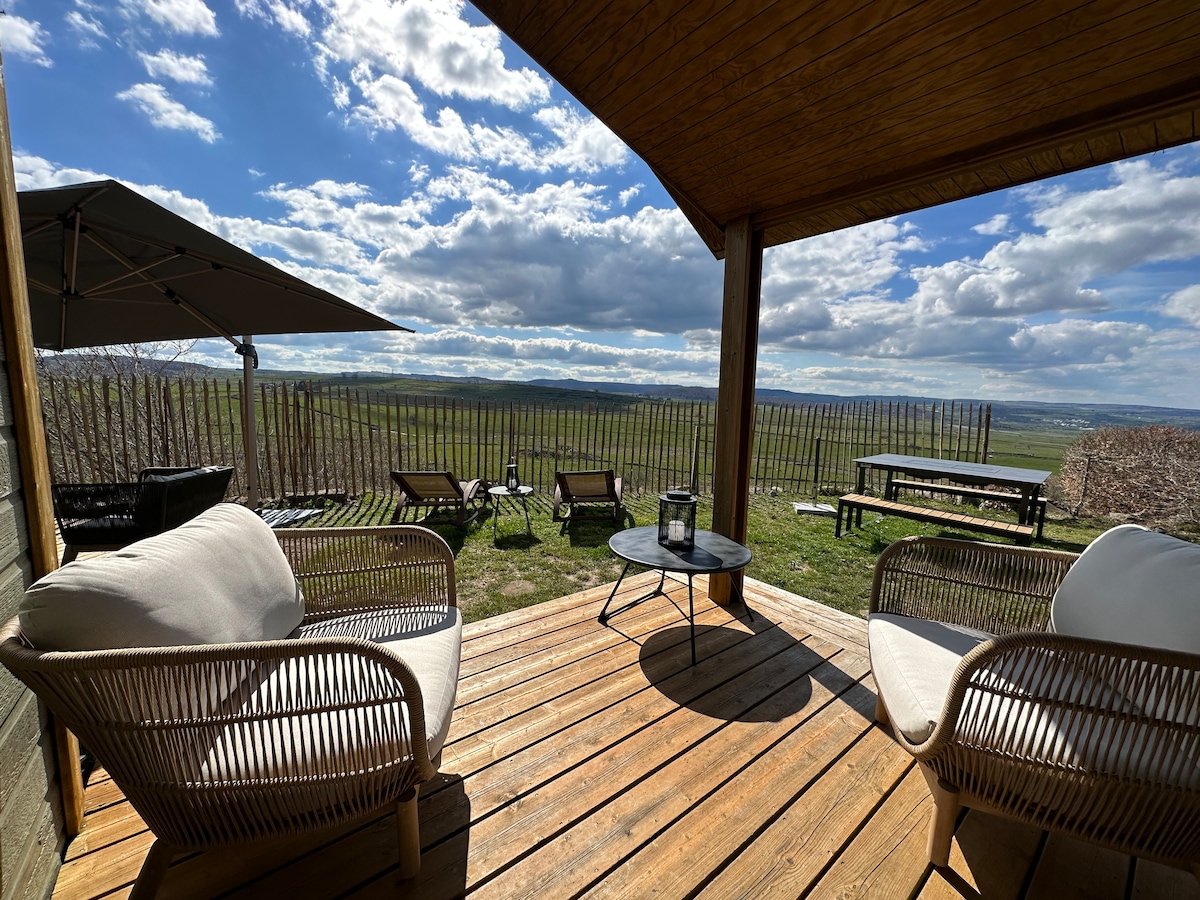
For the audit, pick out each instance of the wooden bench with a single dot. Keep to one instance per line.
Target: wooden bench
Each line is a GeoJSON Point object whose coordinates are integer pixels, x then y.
{"type": "Point", "coordinates": [852, 505]}
{"type": "Point", "coordinates": [898, 484]}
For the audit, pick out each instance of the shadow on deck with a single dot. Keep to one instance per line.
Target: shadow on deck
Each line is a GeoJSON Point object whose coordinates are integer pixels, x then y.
{"type": "Point", "coordinates": [590, 760]}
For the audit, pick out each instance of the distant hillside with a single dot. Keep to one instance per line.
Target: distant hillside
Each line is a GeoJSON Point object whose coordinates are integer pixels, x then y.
{"type": "Point", "coordinates": [1006, 414]}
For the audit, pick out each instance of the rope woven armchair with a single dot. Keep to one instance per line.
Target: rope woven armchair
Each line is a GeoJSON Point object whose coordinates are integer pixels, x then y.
{"type": "Point", "coordinates": [1057, 689]}
{"type": "Point", "coordinates": [323, 695]}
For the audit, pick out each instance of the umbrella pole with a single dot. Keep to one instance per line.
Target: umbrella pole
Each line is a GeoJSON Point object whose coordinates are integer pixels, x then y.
{"type": "Point", "coordinates": [249, 425]}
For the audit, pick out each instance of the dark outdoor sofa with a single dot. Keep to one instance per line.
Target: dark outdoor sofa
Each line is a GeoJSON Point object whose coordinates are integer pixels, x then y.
{"type": "Point", "coordinates": [111, 516]}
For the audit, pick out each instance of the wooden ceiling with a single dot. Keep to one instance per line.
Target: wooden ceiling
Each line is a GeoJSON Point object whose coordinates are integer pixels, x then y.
{"type": "Point", "coordinates": [814, 116]}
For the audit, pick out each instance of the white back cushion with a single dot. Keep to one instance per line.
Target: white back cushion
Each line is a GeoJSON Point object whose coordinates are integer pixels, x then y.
{"type": "Point", "coordinates": [219, 578]}
{"type": "Point", "coordinates": [1134, 586]}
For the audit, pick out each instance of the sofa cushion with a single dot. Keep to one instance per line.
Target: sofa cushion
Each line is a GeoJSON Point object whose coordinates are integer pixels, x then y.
{"type": "Point", "coordinates": [428, 639]}
{"type": "Point", "coordinates": [219, 578]}
{"type": "Point", "coordinates": [1133, 586]}
{"type": "Point", "coordinates": [260, 743]}
{"type": "Point", "coordinates": [913, 661]}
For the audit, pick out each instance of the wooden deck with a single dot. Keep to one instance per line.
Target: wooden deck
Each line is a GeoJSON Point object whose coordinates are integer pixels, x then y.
{"type": "Point", "coordinates": [589, 760]}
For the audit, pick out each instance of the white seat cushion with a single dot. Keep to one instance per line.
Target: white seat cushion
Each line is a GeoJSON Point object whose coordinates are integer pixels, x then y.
{"type": "Point", "coordinates": [368, 736]}
{"type": "Point", "coordinates": [219, 578]}
{"type": "Point", "coordinates": [913, 661]}
{"type": "Point", "coordinates": [1133, 586]}
{"type": "Point", "coordinates": [428, 639]}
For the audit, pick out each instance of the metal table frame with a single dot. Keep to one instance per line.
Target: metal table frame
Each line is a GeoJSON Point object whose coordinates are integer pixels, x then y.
{"type": "Point", "coordinates": [712, 555]}
{"type": "Point", "coordinates": [500, 491]}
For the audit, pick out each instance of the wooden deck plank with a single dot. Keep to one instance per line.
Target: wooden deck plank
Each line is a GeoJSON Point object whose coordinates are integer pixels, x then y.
{"type": "Point", "coordinates": [595, 845]}
{"type": "Point", "coordinates": [886, 859]}
{"type": "Point", "coordinates": [512, 831]}
{"type": "Point", "coordinates": [720, 828]}
{"type": "Point", "coordinates": [989, 857]}
{"type": "Point", "coordinates": [589, 758]}
{"type": "Point", "coordinates": [1072, 870]}
{"type": "Point", "coordinates": [788, 856]}
{"type": "Point", "coordinates": [1152, 881]}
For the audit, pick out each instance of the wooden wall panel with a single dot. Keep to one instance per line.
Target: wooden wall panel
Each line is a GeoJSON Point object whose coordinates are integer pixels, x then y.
{"type": "Point", "coordinates": [31, 826]}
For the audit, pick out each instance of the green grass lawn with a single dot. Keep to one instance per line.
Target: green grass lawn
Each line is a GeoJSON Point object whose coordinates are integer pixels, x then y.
{"type": "Point", "coordinates": [795, 552]}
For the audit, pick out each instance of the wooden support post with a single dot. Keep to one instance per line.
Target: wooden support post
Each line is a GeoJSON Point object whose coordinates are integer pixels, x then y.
{"type": "Point", "coordinates": [249, 427]}
{"type": "Point", "coordinates": [735, 392]}
{"type": "Point", "coordinates": [17, 327]}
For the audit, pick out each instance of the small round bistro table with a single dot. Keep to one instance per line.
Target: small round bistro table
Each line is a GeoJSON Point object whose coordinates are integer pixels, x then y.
{"type": "Point", "coordinates": [520, 493]}
{"type": "Point", "coordinates": [712, 554]}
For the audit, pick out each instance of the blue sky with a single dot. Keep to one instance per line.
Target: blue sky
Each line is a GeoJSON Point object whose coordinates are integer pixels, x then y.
{"type": "Point", "coordinates": [409, 158]}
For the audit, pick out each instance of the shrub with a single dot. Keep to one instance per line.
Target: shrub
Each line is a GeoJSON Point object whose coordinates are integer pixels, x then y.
{"type": "Point", "coordinates": [1148, 475]}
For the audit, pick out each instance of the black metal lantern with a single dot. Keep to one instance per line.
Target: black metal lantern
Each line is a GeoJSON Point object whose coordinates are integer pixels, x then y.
{"type": "Point", "coordinates": [512, 480]}
{"type": "Point", "coordinates": [677, 520]}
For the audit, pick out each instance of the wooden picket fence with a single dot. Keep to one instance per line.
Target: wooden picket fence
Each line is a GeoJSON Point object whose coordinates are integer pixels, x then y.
{"type": "Point", "coordinates": [328, 439]}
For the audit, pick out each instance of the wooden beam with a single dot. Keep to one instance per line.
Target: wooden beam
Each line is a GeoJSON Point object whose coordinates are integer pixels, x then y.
{"type": "Point", "coordinates": [735, 392]}
{"type": "Point", "coordinates": [27, 424]}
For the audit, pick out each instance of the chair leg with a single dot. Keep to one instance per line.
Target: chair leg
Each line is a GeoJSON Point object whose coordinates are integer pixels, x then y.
{"type": "Point", "coordinates": [945, 815]}
{"type": "Point", "coordinates": [881, 714]}
{"type": "Point", "coordinates": [154, 870]}
{"type": "Point", "coordinates": [408, 828]}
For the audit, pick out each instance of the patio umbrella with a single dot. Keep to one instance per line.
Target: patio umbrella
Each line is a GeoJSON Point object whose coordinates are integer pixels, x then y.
{"type": "Point", "coordinates": [107, 266]}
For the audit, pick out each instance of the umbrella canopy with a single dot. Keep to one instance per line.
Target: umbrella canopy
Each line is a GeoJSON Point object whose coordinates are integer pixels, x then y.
{"type": "Point", "coordinates": [107, 266]}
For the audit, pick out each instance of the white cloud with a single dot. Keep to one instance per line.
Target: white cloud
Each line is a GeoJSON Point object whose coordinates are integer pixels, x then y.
{"type": "Point", "coordinates": [164, 112]}
{"type": "Point", "coordinates": [341, 94]}
{"type": "Point", "coordinates": [24, 39]}
{"type": "Point", "coordinates": [585, 143]}
{"type": "Point", "coordinates": [1185, 305]}
{"type": "Point", "coordinates": [290, 19]}
{"type": "Point", "coordinates": [90, 29]}
{"type": "Point", "coordinates": [629, 193]}
{"type": "Point", "coordinates": [546, 269]}
{"type": "Point", "coordinates": [176, 66]}
{"type": "Point", "coordinates": [428, 41]}
{"type": "Point", "coordinates": [179, 16]}
{"type": "Point", "coordinates": [1148, 215]}
{"type": "Point", "coordinates": [997, 224]}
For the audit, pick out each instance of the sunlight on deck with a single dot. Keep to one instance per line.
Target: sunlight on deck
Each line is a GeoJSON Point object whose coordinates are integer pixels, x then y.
{"type": "Point", "coordinates": [590, 760]}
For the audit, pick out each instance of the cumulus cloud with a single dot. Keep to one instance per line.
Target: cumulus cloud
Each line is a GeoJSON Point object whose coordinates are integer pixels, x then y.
{"type": "Point", "coordinates": [177, 67]}
{"type": "Point", "coordinates": [403, 66]}
{"type": "Point", "coordinates": [1185, 305]}
{"type": "Point", "coordinates": [24, 39]}
{"type": "Point", "coordinates": [153, 101]}
{"type": "Point", "coordinates": [542, 271]}
{"type": "Point", "coordinates": [430, 42]}
{"type": "Point", "coordinates": [1147, 215]}
{"type": "Point", "coordinates": [997, 224]}
{"type": "Point", "coordinates": [585, 144]}
{"type": "Point", "coordinates": [191, 17]}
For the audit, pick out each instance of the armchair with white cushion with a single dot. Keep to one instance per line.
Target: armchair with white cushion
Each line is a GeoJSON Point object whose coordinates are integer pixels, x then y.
{"type": "Point", "coordinates": [241, 684]}
{"type": "Point", "coordinates": [1059, 689]}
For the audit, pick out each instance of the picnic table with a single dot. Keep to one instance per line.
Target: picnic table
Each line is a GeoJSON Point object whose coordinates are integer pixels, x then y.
{"type": "Point", "coordinates": [978, 481]}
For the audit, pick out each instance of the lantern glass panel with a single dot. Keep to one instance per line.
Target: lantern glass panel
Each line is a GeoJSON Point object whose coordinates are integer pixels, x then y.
{"type": "Point", "coordinates": [677, 520]}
